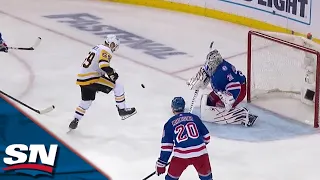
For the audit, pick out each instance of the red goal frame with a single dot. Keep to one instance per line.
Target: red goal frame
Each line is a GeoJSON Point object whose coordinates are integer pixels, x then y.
{"type": "Point", "coordinates": [290, 44]}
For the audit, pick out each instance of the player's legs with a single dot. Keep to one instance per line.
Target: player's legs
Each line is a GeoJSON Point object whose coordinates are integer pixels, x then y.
{"type": "Point", "coordinates": [202, 165]}
{"type": "Point", "coordinates": [106, 85]}
{"type": "Point", "coordinates": [88, 94]}
{"type": "Point", "coordinates": [176, 167]}
{"type": "Point", "coordinates": [214, 100]}
{"type": "Point", "coordinates": [238, 94]}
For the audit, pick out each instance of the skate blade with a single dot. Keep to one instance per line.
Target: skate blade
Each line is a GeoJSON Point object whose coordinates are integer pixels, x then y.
{"type": "Point", "coordinates": [127, 116]}
{"type": "Point", "coordinates": [70, 131]}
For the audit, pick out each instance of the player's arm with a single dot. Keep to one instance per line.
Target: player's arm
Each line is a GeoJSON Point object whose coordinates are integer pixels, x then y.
{"type": "Point", "coordinates": [3, 45]}
{"type": "Point", "coordinates": [167, 144]}
{"type": "Point", "coordinates": [104, 64]}
{"type": "Point", "coordinates": [203, 131]}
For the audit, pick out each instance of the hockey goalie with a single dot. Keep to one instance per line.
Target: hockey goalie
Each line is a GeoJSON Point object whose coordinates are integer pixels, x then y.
{"type": "Point", "coordinates": [228, 90]}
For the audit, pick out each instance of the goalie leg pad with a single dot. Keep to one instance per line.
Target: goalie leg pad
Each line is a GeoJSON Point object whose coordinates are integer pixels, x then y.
{"type": "Point", "coordinates": [222, 116]}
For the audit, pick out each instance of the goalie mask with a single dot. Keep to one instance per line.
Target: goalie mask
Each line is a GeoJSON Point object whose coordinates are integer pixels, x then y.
{"type": "Point", "coordinates": [113, 42]}
{"type": "Point", "coordinates": [214, 59]}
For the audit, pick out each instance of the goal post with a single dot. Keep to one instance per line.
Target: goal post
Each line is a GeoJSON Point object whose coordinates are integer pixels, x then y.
{"type": "Point", "coordinates": [283, 74]}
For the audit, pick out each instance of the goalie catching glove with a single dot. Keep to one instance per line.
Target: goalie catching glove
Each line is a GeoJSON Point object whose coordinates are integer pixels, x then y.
{"type": "Point", "coordinates": [200, 81]}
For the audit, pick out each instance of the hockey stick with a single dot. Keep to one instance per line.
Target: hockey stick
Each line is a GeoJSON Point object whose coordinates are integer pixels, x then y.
{"type": "Point", "coordinates": [196, 92]}
{"type": "Point", "coordinates": [29, 48]}
{"type": "Point", "coordinates": [154, 172]}
{"type": "Point", "coordinates": [46, 110]}
{"type": "Point", "coordinates": [150, 175]}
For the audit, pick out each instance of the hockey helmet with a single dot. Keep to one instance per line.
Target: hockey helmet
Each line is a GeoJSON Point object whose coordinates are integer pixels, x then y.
{"type": "Point", "coordinates": [178, 104]}
{"type": "Point", "coordinates": [214, 59]}
{"type": "Point", "coordinates": [113, 42]}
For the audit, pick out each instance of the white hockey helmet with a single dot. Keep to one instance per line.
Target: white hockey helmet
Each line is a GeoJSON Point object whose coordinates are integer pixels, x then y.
{"type": "Point", "coordinates": [113, 42]}
{"type": "Point", "coordinates": [214, 59]}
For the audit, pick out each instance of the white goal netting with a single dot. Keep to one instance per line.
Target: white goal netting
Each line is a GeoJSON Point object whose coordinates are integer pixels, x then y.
{"type": "Point", "coordinates": [282, 69]}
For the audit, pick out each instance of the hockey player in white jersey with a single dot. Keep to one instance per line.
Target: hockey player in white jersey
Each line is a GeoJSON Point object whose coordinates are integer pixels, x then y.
{"type": "Point", "coordinates": [229, 89]}
{"type": "Point", "coordinates": [3, 45]}
{"type": "Point", "coordinates": [95, 75]}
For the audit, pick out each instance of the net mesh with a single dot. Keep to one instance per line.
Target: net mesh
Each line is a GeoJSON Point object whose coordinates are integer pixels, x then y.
{"type": "Point", "coordinates": [279, 70]}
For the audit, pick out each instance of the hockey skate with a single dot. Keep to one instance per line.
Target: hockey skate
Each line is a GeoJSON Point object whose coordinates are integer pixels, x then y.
{"type": "Point", "coordinates": [126, 112]}
{"type": "Point", "coordinates": [251, 120]}
{"type": "Point", "coordinates": [74, 124]}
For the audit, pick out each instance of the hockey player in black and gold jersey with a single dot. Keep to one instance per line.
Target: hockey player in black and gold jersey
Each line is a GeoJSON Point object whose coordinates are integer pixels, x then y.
{"type": "Point", "coordinates": [95, 75]}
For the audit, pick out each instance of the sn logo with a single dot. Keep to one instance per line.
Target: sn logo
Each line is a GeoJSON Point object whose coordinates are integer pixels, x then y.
{"type": "Point", "coordinates": [18, 157]}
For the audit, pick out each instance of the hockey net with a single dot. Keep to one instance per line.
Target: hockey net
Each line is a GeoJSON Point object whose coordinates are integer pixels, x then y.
{"type": "Point", "coordinates": [282, 75]}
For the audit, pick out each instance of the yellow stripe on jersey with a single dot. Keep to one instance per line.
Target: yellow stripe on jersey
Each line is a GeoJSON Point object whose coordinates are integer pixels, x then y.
{"type": "Point", "coordinates": [103, 64]}
{"type": "Point", "coordinates": [88, 78]}
{"type": "Point", "coordinates": [85, 82]}
{"type": "Point", "coordinates": [104, 58]}
{"type": "Point", "coordinates": [89, 74]}
{"type": "Point", "coordinates": [105, 82]}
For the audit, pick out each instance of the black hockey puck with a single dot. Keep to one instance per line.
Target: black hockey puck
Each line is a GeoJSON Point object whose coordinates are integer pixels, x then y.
{"type": "Point", "coordinates": [142, 85]}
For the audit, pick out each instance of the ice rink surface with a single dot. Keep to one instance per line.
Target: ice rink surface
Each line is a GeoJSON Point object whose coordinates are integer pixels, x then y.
{"type": "Point", "coordinates": [274, 149]}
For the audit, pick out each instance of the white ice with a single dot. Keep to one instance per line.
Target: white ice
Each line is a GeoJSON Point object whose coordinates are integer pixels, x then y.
{"type": "Point", "coordinates": [128, 149]}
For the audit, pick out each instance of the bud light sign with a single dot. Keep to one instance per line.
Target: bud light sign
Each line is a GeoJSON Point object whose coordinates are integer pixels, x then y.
{"type": "Point", "coordinates": [295, 10]}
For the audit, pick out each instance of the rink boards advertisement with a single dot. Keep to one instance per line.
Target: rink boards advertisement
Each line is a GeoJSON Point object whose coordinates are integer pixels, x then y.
{"type": "Point", "coordinates": [28, 151]}
{"type": "Point", "coordinates": [300, 16]}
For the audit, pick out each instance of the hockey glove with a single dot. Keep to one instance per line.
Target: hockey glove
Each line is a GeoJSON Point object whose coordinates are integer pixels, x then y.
{"type": "Point", "coordinates": [200, 81]}
{"type": "Point", "coordinates": [114, 76]}
{"type": "Point", "coordinates": [160, 167]}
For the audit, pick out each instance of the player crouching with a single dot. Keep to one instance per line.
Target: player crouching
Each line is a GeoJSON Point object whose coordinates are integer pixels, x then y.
{"type": "Point", "coordinates": [229, 89]}
{"type": "Point", "coordinates": [186, 136]}
{"type": "Point", "coordinates": [97, 75]}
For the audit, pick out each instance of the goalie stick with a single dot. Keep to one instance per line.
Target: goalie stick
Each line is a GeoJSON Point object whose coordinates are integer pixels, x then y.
{"type": "Point", "coordinates": [28, 48]}
{"type": "Point", "coordinates": [196, 92]}
{"type": "Point", "coordinates": [43, 111]}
